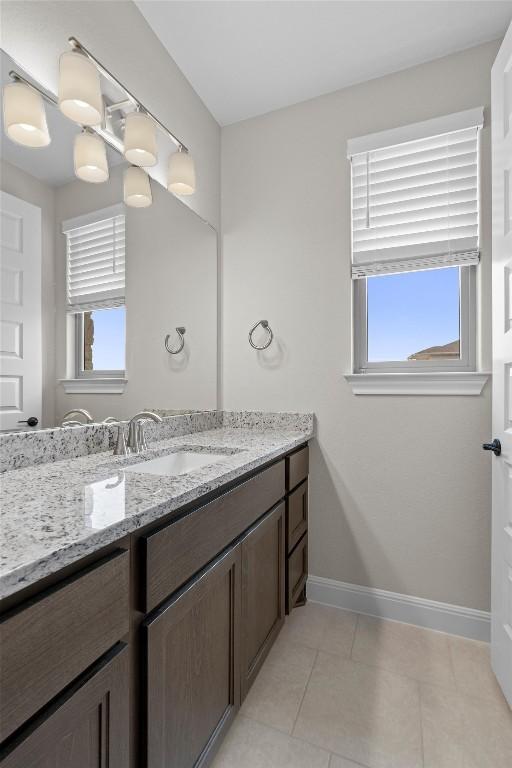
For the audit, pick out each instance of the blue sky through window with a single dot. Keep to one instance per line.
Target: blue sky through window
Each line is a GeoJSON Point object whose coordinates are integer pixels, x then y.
{"type": "Point", "coordinates": [108, 351]}
{"type": "Point", "coordinates": [411, 311]}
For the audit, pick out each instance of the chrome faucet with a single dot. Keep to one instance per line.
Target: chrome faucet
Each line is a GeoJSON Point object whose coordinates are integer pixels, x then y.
{"type": "Point", "coordinates": [136, 435]}
{"type": "Point", "coordinates": [75, 423]}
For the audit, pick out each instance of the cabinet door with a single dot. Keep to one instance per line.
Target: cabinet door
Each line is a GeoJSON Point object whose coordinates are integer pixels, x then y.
{"type": "Point", "coordinates": [193, 668]}
{"type": "Point", "coordinates": [87, 728]}
{"type": "Point", "coordinates": [263, 591]}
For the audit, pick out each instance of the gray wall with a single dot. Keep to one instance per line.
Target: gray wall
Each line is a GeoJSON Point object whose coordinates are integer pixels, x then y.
{"type": "Point", "coordinates": [35, 33]}
{"type": "Point", "coordinates": [26, 187]}
{"type": "Point", "coordinates": [400, 489]}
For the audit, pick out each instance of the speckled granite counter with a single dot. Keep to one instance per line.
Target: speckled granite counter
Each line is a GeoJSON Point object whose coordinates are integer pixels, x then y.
{"type": "Point", "coordinates": [53, 514]}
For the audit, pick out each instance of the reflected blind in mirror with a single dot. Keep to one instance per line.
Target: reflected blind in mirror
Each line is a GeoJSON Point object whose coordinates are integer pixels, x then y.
{"type": "Point", "coordinates": [95, 260]}
{"type": "Point", "coordinates": [415, 205]}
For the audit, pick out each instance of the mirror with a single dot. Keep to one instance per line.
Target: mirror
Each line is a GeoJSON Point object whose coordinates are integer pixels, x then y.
{"type": "Point", "coordinates": [92, 289]}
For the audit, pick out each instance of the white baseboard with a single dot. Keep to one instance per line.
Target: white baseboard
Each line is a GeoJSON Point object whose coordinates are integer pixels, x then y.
{"type": "Point", "coordinates": [443, 617]}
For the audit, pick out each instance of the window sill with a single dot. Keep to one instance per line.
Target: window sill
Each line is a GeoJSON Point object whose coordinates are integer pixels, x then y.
{"type": "Point", "coordinates": [433, 383]}
{"type": "Point", "coordinates": [94, 386]}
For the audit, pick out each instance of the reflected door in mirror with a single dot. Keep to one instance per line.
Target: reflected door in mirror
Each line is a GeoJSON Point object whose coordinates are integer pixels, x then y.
{"type": "Point", "coordinates": [20, 313]}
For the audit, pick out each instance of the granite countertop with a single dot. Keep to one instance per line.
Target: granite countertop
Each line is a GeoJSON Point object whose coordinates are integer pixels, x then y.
{"type": "Point", "coordinates": [54, 514]}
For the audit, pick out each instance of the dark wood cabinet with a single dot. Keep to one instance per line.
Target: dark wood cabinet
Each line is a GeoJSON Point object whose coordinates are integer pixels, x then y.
{"type": "Point", "coordinates": [139, 655]}
{"type": "Point", "coordinates": [175, 552]}
{"type": "Point", "coordinates": [193, 667]}
{"type": "Point", "coordinates": [297, 486]}
{"type": "Point", "coordinates": [47, 642]}
{"type": "Point", "coordinates": [263, 591]}
{"type": "Point", "coordinates": [88, 727]}
{"type": "Point", "coordinates": [297, 467]}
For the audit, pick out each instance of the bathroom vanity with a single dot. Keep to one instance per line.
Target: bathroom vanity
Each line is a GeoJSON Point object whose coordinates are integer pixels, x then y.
{"type": "Point", "coordinates": [135, 643]}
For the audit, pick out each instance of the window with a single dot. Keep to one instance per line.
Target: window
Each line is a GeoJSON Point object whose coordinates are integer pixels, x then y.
{"type": "Point", "coordinates": [418, 320]}
{"type": "Point", "coordinates": [100, 342]}
{"type": "Point", "coordinates": [415, 246]}
{"type": "Point", "coordinates": [96, 291]}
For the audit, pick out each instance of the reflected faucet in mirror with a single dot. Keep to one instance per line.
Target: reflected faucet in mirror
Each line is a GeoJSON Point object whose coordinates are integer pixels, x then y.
{"type": "Point", "coordinates": [88, 418]}
{"type": "Point", "coordinates": [74, 422]}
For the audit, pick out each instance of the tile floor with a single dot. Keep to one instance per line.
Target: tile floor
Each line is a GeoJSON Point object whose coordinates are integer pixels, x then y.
{"type": "Point", "coordinates": [341, 690]}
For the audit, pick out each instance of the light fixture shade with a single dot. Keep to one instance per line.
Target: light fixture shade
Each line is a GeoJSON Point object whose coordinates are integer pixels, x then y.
{"type": "Point", "coordinates": [182, 174]}
{"type": "Point", "coordinates": [25, 116]}
{"type": "Point", "coordinates": [140, 139]}
{"type": "Point", "coordinates": [137, 188]}
{"type": "Point", "coordinates": [79, 89]}
{"type": "Point", "coordinates": [90, 157]}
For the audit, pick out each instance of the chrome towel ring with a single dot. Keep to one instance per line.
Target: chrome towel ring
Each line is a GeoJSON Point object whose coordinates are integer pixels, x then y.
{"type": "Point", "coordinates": [181, 343]}
{"type": "Point", "coordinates": [264, 324]}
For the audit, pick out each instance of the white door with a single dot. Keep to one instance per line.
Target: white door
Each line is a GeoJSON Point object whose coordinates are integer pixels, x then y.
{"type": "Point", "coordinates": [20, 313]}
{"type": "Point", "coordinates": [501, 643]}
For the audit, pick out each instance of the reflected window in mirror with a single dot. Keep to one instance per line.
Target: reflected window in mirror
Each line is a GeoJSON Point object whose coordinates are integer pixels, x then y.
{"type": "Point", "coordinates": [95, 251]}
{"type": "Point", "coordinates": [101, 341]}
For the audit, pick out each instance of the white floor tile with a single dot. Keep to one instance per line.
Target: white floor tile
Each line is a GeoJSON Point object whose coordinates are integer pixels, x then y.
{"type": "Point", "coordinates": [367, 714]}
{"type": "Point", "coordinates": [252, 745]}
{"type": "Point", "coordinates": [408, 650]}
{"type": "Point", "coordinates": [464, 732]}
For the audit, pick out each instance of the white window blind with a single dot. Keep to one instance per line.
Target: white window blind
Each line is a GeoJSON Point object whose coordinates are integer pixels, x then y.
{"type": "Point", "coordinates": [95, 260]}
{"type": "Point", "coordinates": [415, 204]}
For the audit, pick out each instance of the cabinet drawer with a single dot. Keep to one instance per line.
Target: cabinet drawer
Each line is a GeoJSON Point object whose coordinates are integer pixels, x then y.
{"type": "Point", "coordinates": [88, 726]}
{"type": "Point", "coordinates": [297, 467]}
{"type": "Point", "coordinates": [296, 515]}
{"type": "Point", "coordinates": [178, 551]}
{"type": "Point", "coordinates": [297, 572]}
{"type": "Point", "coordinates": [47, 642]}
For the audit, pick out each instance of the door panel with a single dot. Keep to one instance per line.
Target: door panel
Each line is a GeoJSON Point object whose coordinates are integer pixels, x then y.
{"type": "Point", "coordinates": [263, 595]}
{"type": "Point", "coordinates": [88, 729]}
{"type": "Point", "coordinates": [20, 312]}
{"type": "Point", "coordinates": [501, 641]}
{"type": "Point", "coordinates": [193, 668]}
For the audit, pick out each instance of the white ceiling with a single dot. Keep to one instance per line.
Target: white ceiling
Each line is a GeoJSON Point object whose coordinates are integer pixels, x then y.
{"type": "Point", "coordinates": [248, 58]}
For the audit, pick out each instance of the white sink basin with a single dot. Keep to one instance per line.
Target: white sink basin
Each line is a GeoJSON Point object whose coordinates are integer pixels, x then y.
{"type": "Point", "coordinates": [175, 463]}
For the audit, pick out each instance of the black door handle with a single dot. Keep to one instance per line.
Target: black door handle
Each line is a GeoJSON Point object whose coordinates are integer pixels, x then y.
{"type": "Point", "coordinates": [495, 447]}
{"type": "Point", "coordinates": [32, 421]}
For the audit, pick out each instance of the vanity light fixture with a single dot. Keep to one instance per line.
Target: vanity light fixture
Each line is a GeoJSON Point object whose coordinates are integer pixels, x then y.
{"type": "Point", "coordinates": [137, 188]}
{"type": "Point", "coordinates": [24, 115]}
{"type": "Point", "coordinates": [80, 96]}
{"type": "Point", "coordinates": [140, 139]}
{"type": "Point", "coordinates": [182, 174]}
{"type": "Point", "coordinates": [90, 157]}
{"type": "Point", "coordinates": [81, 100]}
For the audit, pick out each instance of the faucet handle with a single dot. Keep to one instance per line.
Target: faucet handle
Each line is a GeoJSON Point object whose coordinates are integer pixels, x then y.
{"type": "Point", "coordinates": [120, 448]}
{"type": "Point", "coordinates": [141, 435]}
{"type": "Point", "coordinates": [133, 436]}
